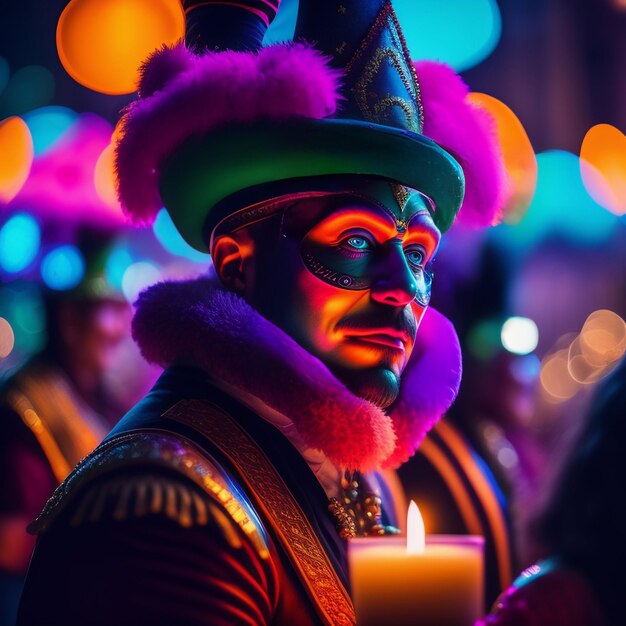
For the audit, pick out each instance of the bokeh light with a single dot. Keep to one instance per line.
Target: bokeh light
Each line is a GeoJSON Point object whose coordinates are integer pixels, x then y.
{"type": "Point", "coordinates": [20, 238]}
{"type": "Point", "coordinates": [61, 181]}
{"type": "Point", "coordinates": [116, 265]}
{"type": "Point", "coordinates": [483, 340]}
{"type": "Point", "coordinates": [519, 157]}
{"type": "Point", "coordinates": [104, 176]}
{"type": "Point", "coordinates": [555, 377]}
{"type": "Point", "coordinates": [102, 44]}
{"type": "Point", "coordinates": [7, 338]}
{"type": "Point", "coordinates": [171, 240]}
{"type": "Point", "coordinates": [525, 369]}
{"type": "Point", "coordinates": [63, 267]}
{"type": "Point", "coordinates": [604, 336]}
{"type": "Point", "coordinates": [585, 358]}
{"type": "Point", "coordinates": [581, 369]}
{"type": "Point", "coordinates": [16, 157]}
{"type": "Point", "coordinates": [560, 205]}
{"type": "Point", "coordinates": [23, 307]}
{"type": "Point", "coordinates": [459, 32]}
{"type": "Point", "coordinates": [137, 277]}
{"type": "Point", "coordinates": [519, 335]}
{"type": "Point", "coordinates": [28, 88]}
{"type": "Point", "coordinates": [29, 311]}
{"type": "Point", "coordinates": [603, 166]}
{"type": "Point", "coordinates": [48, 124]}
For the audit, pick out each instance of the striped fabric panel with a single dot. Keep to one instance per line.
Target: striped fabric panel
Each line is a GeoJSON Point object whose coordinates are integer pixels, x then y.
{"type": "Point", "coordinates": [264, 9]}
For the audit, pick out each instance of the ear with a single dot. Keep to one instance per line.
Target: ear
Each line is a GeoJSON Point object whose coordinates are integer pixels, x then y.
{"type": "Point", "coordinates": [229, 259]}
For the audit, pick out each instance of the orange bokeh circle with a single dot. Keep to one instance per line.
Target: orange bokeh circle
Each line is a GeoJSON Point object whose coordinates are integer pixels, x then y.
{"type": "Point", "coordinates": [102, 43]}
{"type": "Point", "coordinates": [16, 156]}
{"type": "Point", "coordinates": [104, 177]}
{"type": "Point", "coordinates": [603, 166]}
{"type": "Point", "coordinates": [520, 161]}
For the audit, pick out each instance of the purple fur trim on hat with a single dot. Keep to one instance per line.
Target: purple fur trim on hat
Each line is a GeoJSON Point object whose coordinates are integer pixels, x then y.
{"type": "Point", "coordinates": [162, 67]}
{"type": "Point", "coordinates": [197, 322]}
{"type": "Point", "coordinates": [468, 132]}
{"type": "Point", "coordinates": [185, 95]}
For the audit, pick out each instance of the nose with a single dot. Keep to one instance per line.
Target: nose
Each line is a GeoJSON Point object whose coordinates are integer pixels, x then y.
{"type": "Point", "coordinates": [395, 283]}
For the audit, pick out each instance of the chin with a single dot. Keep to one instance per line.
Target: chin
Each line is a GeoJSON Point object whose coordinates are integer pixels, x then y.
{"type": "Point", "coordinates": [377, 385]}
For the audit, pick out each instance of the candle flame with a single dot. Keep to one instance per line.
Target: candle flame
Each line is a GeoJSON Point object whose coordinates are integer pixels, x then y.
{"type": "Point", "coordinates": [415, 534]}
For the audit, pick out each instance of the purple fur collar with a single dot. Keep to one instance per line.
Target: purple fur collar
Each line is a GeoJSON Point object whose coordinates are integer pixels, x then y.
{"type": "Point", "coordinates": [197, 322]}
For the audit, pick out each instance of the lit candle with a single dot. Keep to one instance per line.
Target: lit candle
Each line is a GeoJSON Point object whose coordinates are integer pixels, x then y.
{"type": "Point", "coordinates": [421, 581]}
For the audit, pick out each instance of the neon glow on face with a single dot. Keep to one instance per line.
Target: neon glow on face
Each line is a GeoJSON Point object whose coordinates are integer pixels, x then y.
{"type": "Point", "coordinates": [363, 332]}
{"type": "Point", "coordinates": [346, 261]}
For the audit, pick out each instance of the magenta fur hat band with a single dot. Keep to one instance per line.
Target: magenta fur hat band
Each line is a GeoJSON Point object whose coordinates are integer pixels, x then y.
{"type": "Point", "coordinates": [205, 127]}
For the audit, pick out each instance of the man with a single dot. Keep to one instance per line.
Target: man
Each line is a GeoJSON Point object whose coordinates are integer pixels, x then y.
{"type": "Point", "coordinates": [297, 370]}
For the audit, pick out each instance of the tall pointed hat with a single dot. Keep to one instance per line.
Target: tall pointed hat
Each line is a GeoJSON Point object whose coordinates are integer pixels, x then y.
{"type": "Point", "coordinates": [223, 123]}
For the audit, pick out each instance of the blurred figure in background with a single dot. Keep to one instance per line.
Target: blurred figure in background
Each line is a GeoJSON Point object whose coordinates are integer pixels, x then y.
{"type": "Point", "coordinates": [580, 580]}
{"type": "Point", "coordinates": [54, 410]}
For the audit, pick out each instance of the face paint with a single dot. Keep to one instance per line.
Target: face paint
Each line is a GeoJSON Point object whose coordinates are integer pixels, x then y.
{"type": "Point", "coordinates": [346, 269]}
{"type": "Point", "coordinates": [347, 262]}
{"type": "Point", "coordinates": [344, 275]}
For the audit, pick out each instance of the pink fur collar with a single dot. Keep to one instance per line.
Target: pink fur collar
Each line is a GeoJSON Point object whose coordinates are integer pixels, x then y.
{"type": "Point", "coordinates": [197, 322]}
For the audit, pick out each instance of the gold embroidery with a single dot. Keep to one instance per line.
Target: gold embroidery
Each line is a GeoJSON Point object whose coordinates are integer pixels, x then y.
{"type": "Point", "coordinates": [385, 104]}
{"type": "Point", "coordinates": [168, 497]}
{"type": "Point", "coordinates": [363, 95]}
{"type": "Point", "coordinates": [401, 61]}
{"type": "Point", "coordinates": [401, 194]}
{"type": "Point", "coordinates": [346, 526]}
{"type": "Point", "coordinates": [274, 499]}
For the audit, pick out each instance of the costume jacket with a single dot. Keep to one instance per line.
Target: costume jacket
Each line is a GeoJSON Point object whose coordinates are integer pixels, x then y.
{"type": "Point", "coordinates": [209, 502]}
{"type": "Point", "coordinates": [161, 523]}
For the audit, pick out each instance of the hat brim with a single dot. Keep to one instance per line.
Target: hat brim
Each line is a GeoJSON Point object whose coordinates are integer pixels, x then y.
{"type": "Point", "coordinates": [206, 170]}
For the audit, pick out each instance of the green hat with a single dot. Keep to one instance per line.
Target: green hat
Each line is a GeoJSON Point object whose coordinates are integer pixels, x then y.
{"type": "Point", "coordinates": [219, 130]}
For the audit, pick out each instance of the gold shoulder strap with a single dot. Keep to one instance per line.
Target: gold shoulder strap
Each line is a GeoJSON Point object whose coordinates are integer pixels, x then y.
{"type": "Point", "coordinates": [273, 499]}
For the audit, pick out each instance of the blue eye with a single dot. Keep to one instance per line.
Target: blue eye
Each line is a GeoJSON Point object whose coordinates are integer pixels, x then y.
{"type": "Point", "coordinates": [415, 258]}
{"type": "Point", "coordinates": [359, 243]}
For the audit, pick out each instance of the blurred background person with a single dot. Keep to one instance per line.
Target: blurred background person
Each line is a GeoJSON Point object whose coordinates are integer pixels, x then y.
{"type": "Point", "coordinates": [70, 269]}
{"type": "Point", "coordinates": [579, 579]}
{"type": "Point", "coordinates": [54, 409]}
{"type": "Point", "coordinates": [56, 404]}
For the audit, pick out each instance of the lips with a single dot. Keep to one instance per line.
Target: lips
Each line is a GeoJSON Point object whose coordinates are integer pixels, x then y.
{"type": "Point", "coordinates": [384, 337]}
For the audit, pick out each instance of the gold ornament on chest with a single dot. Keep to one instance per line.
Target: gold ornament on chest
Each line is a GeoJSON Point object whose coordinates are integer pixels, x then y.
{"type": "Point", "coordinates": [358, 509]}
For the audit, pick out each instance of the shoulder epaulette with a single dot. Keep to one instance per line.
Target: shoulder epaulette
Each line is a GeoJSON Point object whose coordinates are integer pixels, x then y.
{"type": "Point", "coordinates": [144, 473]}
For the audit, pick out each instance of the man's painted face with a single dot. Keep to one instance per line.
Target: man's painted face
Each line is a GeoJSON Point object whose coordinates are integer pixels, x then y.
{"type": "Point", "coordinates": [347, 277]}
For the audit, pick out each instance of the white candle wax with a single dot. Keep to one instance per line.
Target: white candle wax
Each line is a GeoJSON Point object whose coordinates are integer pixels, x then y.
{"type": "Point", "coordinates": [443, 586]}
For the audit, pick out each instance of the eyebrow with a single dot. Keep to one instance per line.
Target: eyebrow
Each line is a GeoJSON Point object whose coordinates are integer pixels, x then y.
{"type": "Point", "coordinates": [383, 225]}
{"type": "Point", "coordinates": [346, 214]}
